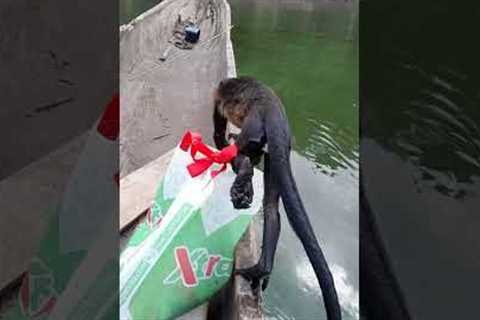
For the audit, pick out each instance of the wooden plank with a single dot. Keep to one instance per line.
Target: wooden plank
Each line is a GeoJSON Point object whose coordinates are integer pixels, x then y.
{"type": "Point", "coordinates": [137, 189]}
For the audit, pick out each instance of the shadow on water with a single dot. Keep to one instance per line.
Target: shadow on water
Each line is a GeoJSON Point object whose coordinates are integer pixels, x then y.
{"type": "Point", "coordinates": [306, 51]}
{"type": "Point", "coordinates": [420, 148]}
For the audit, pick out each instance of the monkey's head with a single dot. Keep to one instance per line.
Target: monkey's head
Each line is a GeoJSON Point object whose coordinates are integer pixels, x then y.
{"type": "Point", "coordinates": [231, 98]}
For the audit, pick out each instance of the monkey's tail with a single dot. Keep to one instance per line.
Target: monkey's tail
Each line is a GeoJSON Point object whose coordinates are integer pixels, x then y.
{"type": "Point", "coordinates": [300, 223]}
{"type": "Point", "coordinates": [278, 139]}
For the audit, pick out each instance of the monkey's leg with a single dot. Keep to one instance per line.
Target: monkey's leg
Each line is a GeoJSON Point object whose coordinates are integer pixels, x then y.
{"type": "Point", "coordinates": [271, 232]}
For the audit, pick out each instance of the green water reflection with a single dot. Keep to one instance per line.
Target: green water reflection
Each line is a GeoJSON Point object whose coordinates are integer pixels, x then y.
{"type": "Point", "coordinates": [306, 58]}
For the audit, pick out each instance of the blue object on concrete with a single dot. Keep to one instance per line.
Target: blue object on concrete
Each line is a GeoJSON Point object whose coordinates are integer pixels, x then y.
{"type": "Point", "coordinates": [192, 33]}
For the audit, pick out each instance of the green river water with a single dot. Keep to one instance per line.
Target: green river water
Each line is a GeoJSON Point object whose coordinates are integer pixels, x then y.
{"type": "Point", "coordinates": [307, 52]}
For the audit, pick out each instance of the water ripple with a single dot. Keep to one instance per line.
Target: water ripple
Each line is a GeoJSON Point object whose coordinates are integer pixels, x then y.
{"type": "Point", "coordinates": [441, 131]}
{"type": "Point", "coordinates": [331, 147]}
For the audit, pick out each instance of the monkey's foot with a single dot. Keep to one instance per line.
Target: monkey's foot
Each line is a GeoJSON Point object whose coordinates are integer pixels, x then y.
{"type": "Point", "coordinates": [256, 275]}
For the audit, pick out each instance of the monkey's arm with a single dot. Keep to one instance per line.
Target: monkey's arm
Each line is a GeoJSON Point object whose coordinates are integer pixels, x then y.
{"type": "Point", "coordinates": [220, 127]}
{"type": "Point", "coordinates": [250, 144]}
{"type": "Point", "coordinates": [241, 192]}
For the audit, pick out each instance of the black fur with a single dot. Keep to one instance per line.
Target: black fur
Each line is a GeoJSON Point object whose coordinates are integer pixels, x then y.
{"type": "Point", "coordinates": [266, 123]}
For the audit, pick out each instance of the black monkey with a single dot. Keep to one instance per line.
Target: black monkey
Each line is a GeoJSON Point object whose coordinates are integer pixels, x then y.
{"type": "Point", "coordinates": [260, 114]}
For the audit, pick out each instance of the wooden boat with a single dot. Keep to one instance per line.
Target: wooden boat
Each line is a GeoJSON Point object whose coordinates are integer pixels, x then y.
{"type": "Point", "coordinates": [160, 98]}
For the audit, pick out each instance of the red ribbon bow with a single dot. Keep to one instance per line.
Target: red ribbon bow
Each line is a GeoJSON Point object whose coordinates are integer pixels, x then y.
{"type": "Point", "coordinates": [193, 141]}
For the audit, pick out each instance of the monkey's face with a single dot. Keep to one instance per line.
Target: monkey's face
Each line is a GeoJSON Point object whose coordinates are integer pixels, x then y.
{"type": "Point", "coordinates": [235, 112]}
{"type": "Point", "coordinates": [230, 107]}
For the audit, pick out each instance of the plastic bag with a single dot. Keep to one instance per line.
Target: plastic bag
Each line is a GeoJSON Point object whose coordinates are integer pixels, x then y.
{"type": "Point", "coordinates": [183, 253]}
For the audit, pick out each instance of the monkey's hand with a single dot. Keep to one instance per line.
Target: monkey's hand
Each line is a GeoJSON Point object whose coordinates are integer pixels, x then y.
{"type": "Point", "coordinates": [241, 192]}
{"type": "Point", "coordinates": [256, 275]}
